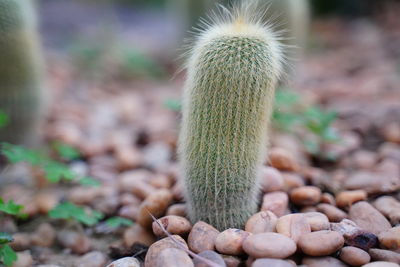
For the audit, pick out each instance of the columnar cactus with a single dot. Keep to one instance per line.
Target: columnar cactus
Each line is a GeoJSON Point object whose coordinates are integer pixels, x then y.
{"type": "Point", "coordinates": [21, 89]}
{"type": "Point", "coordinates": [232, 72]}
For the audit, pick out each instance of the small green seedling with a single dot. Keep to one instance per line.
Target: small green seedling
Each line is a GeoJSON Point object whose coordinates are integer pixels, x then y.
{"type": "Point", "coordinates": [10, 207]}
{"type": "Point", "coordinates": [70, 211]}
{"type": "Point", "coordinates": [116, 222]}
{"type": "Point", "coordinates": [66, 152]}
{"type": "Point", "coordinates": [3, 119]}
{"type": "Point", "coordinates": [7, 254]}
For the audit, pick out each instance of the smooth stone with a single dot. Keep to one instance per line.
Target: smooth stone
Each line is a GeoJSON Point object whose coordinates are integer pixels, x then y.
{"type": "Point", "coordinates": [368, 218]}
{"type": "Point", "coordinates": [269, 245]}
{"type": "Point", "coordinates": [321, 243]}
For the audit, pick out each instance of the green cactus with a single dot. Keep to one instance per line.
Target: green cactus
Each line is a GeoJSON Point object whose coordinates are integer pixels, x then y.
{"type": "Point", "coordinates": [232, 71]}
{"type": "Point", "coordinates": [21, 72]}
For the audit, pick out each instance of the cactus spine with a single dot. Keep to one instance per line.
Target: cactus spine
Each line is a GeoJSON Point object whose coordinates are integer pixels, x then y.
{"type": "Point", "coordinates": [21, 90]}
{"type": "Point", "coordinates": [232, 72]}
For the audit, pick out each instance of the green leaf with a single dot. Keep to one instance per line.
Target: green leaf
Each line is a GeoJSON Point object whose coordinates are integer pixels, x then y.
{"type": "Point", "coordinates": [65, 151]}
{"type": "Point", "coordinates": [15, 154]}
{"type": "Point", "coordinates": [5, 238]}
{"type": "Point", "coordinates": [55, 171]}
{"type": "Point", "coordinates": [7, 255]}
{"type": "Point", "coordinates": [116, 222]}
{"type": "Point", "coordinates": [3, 119]}
{"type": "Point", "coordinates": [173, 104]}
{"type": "Point", "coordinates": [10, 207]}
{"type": "Point", "coordinates": [68, 210]}
{"type": "Point", "coordinates": [88, 181]}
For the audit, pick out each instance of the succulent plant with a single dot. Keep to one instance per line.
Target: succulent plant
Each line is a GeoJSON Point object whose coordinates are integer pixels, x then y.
{"type": "Point", "coordinates": [21, 72]}
{"type": "Point", "coordinates": [232, 71]}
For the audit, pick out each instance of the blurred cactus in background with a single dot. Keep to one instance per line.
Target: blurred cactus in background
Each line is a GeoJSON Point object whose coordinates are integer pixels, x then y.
{"type": "Point", "coordinates": [21, 72]}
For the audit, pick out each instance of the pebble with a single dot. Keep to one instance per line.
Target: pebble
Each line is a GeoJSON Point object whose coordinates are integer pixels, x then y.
{"type": "Point", "coordinates": [317, 221]}
{"type": "Point", "coordinates": [323, 262]}
{"type": "Point", "coordinates": [92, 259]}
{"type": "Point", "coordinates": [271, 263]}
{"type": "Point", "coordinates": [354, 256]}
{"type": "Point", "coordinates": [230, 241]}
{"type": "Point", "coordinates": [346, 198]}
{"type": "Point", "coordinates": [390, 207]}
{"type": "Point", "coordinates": [128, 157]}
{"type": "Point", "coordinates": [156, 248]}
{"type": "Point", "coordinates": [291, 181]}
{"type": "Point", "coordinates": [384, 255]}
{"type": "Point", "coordinates": [172, 257]}
{"type": "Point", "coordinates": [328, 199]}
{"type": "Point", "coordinates": [263, 221]}
{"type": "Point", "coordinates": [232, 261]}
{"type": "Point", "coordinates": [368, 218]}
{"type": "Point", "coordinates": [175, 225]}
{"type": "Point", "coordinates": [138, 234]}
{"type": "Point", "coordinates": [293, 226]}
{"type": "Point", "coordinates": [381, 264]}
{"type": "Point", "coordinates": [46, 201]}
{"type": "Point", "coordinates": [333, 213]}
{"type": "Point", "coordinates": [24, 259]}
{"type": "Point", "coordinates": [373, 182]}
{"type": "Point", "coordinates": [271, 179]}
{"type": "Point", "coordinates": [209, 255]}
{"type": "Point", "coordinates": [363, 159]}
{"type": "Point", "coordinates": [44, 236]}
{"type": "Point", "coordinates": [160, 180]}
{"type": "Point", "coordinates": [125, 262]}
{"type": "Point", "coordinates": [79, 243]}
{"type": "Point", "coordinates": [277, 202]}
{"type": "Point", "coordinates": [156, 204]}
{"type": "Point", "coordinates": [22, 241]}
{"type": "Point", "coordinates": [321, 243]}
{"type": "Point", "coordinates": [269, 245]}
{"type": "Point", "coordinates": [390, 239]}
{"type": "Point", "coordinates": [282, 159]}
{"type": "Point", "coordinates": [177, 209]}
{"type": "Point", "coordinates": [391, 132]}
{"type": "Point", "coordinates": [202, 237]}
{"type": "Point", "coordinates": [130, 211]}
{"type": "Point", "coordinates": [306, 195]}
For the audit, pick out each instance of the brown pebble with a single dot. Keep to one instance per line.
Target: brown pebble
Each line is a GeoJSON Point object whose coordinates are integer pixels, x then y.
{"type": "Point", "coordinates": [271, 263]}
{"type": "Point", "coordinates": [202, 237]}
{"type": "Point", "coordinates": [317, 220]}
{"type": "Point", "coordinates": [269, 245]}
{"type": "Point", "coordinates": [160, 181]}
{"type": "Point", "coordinates": [293, 226]}
{"type": "Point", "coordinates": [125, 262]}
{"type": "Point", "coordinates": [291, 181]}
{"type": "Point", "coordinates": [230, 241]}
{"type": "Point", "coordinates": [282, 159]}
{"type": "Point", "coordinates": [271, 179]}
{"type": "Point", "coordinates": [22, 241]}
{"type": "Point", "coordinates": [263, 221]}
{"type": "Point", "coordinates": [44, 235]}
{"type": "Point", "coordinates": [321, 243]}
{"type": "Point", "coordinates": [156, 248]}
{"type": "Point", "coordinates": [368, 218]}
{"type": "Point", "coordinates": [306, 195]}
{"type": "Point", "coordinates": [390, 207]}
{"type": "Point", "coordinates": [323, 262]}
{"type": "Point", "coordinates": [129, 211]}
{"type": "Point", "coordinates": [363, 159]}
{"type": "Point", "coordinates": [209, 255]}
{"type": "Point", "coordinates": [175, 225]}
{"type": "Point", "coordinates": [328, 199]}
{"type": "Point", "coordinates": [334, 214]}
{"type": "Point", "coordinates": [384, 255]}
{"type": "Point", "coordinates": [46, 201]}
{"type": "Point", "coordinates": [346, 198]}
{"type": "Point", "coordinates": [390, 239]}
{"type": "Point", "coordinates": [172, 257]}
{"type": "Point", "coordinates": [138, 234]}
{"type": "Point", "coordinates": [156, 204]}
{"type": "Point", "coordinates": [77, 242]}
{"type": "Point", "coordinates": [277, 202]}
{"type": "Point", "coordinates": [177, 209]}
{"type": "Point", "coordinates": [91, 259]}
{"type": "Point", "coordinates": [354, 256]}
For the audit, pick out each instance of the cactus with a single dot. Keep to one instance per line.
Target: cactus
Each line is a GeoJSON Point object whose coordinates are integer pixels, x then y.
{"type": "Point", "coordinates": [21, 89]}
{"type": "Point", "coordinates": [232, 70]}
